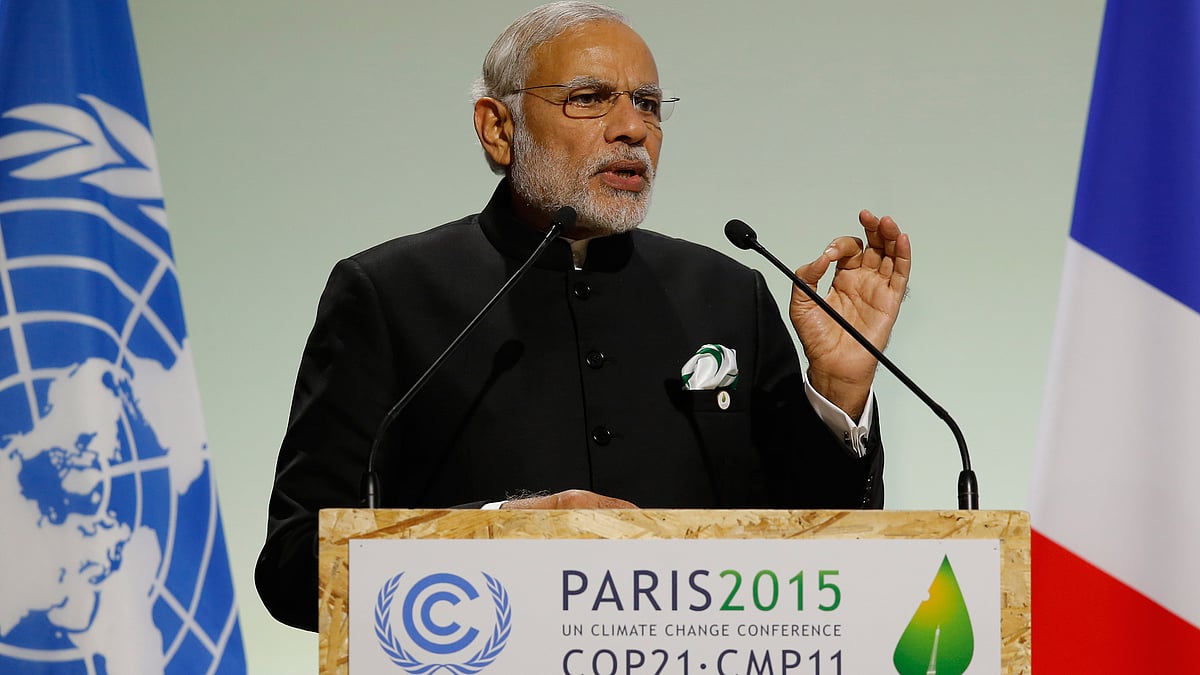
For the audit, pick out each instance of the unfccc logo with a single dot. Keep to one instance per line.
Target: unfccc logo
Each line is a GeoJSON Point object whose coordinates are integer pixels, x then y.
{"type": "Point", "coordinates": [430, 614]}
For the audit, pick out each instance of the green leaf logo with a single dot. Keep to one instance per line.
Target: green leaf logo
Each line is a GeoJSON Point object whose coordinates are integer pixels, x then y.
{"type": "Point", "coordinates": [939, 640]}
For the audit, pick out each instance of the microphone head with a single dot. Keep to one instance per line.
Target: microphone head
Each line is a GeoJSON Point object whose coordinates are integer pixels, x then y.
{"type": "Point", "coordinates": [740, 234]}
{"type": "Point", "coordinates": [562, 220]}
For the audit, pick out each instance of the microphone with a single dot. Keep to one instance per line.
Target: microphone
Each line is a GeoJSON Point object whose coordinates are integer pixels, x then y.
{"type": "Point", "coordinates": [743, 236]}
{"type": "Point", "coordinates": [562, 220]}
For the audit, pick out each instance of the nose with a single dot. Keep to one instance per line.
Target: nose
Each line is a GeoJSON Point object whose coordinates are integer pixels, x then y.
{"type": "Point", "coordinates": [624, 123]}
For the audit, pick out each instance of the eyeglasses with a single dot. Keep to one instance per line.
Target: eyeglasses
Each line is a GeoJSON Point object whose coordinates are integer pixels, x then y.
{"type": "Point", "coordinates": [592, 101]}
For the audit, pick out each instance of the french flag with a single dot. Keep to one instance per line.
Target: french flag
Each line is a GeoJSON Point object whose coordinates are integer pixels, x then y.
{"type": "Point", "coordinates": [1116, 490]}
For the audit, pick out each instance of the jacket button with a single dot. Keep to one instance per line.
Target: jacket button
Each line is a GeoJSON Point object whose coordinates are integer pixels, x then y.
{"type": "Point", "coordinates": [582, 290]}
{"type": "Point", "coordinates": [594, 359]}
{"type": "Point", "coordinates": [601, 435]}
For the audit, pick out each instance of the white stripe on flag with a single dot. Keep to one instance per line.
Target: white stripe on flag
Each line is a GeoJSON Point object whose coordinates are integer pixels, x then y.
{"type": "Point", "coordinates": [1117, 460]}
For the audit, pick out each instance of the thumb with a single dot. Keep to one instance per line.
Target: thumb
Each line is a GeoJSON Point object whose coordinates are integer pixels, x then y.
{"type": "Point", "coordinates": [811, 274]}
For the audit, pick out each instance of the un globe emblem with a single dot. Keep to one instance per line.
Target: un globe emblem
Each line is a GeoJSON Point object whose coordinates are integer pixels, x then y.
{"type": "Point", "coordinates": [104, 472]}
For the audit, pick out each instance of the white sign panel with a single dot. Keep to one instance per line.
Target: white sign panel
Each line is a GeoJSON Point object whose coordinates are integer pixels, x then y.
{"type": "Point", "coordinates": [675, 607]}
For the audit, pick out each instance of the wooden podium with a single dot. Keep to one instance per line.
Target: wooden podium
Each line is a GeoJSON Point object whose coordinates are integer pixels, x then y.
{"type": "Point", "coordinates": [339, 526]}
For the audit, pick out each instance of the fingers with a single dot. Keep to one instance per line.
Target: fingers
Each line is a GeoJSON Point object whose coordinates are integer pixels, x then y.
{"type": "Point", "coordinates": [871, 226]}
{"type": "Point", "coordinates": [887, 250]}
{"type": "Point", "coordinates": [886, 241]}
{"type": "Point", "coordinates": [882, 233]}
{"type": "Point", "coordinates": [811, 273]}
{"type": "Point", "coordinates": [614, 503]}
{"type": "Point", "coordinates": [846, 251]}
{"type": "Point", "coordinates": [569, 499]}
{"type": "Point", "coordinates": [902, 260]}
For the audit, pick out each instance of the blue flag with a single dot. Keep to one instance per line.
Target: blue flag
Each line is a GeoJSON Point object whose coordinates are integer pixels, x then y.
{"type": "Point", "coordinates": [114, 557]}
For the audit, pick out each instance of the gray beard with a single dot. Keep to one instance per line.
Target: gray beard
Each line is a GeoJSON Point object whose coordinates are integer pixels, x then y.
{"type": "Point", "coordinates": [539, 178]}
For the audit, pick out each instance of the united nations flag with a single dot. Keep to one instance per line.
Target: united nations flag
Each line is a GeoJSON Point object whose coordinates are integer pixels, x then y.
{"type": "Point", "coordinates": [113, 556]}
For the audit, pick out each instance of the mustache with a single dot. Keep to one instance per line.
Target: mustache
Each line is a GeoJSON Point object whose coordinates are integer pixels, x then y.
{"type": "Point", "coordinates": [628, 153]}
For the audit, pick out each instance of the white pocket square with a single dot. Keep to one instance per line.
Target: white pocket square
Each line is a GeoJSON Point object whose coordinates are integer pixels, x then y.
{"type": "Point", "coordinates": [713, 367]}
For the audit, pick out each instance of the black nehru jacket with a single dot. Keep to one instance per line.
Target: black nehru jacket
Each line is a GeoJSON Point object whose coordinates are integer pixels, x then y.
{"type": "Point", "coordinates": [573, 381]}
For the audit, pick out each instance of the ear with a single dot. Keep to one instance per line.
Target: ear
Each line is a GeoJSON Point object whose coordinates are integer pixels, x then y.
{"type": "Point", "coordinates": [494, 126]}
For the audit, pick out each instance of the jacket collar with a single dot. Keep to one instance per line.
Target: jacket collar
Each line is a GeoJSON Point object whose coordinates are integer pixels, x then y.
{"type": "Point", "coordinates": [517, 239]}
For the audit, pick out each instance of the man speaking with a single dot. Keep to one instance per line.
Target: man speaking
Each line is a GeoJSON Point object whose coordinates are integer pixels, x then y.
{"type": "Point", "coordinates": [626, 369]}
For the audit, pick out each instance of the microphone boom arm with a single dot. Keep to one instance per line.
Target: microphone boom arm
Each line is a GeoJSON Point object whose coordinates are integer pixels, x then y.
{"type": "Point", "coordinates": [743, 236]}
{"type": "Point", "coordinates": [562, 220]}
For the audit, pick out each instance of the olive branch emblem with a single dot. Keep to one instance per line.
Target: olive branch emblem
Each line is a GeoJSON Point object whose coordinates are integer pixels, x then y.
{"type": "Point", "coordinates": [107, 148]}
{"type": "Point", "coordinates": [483, 658]}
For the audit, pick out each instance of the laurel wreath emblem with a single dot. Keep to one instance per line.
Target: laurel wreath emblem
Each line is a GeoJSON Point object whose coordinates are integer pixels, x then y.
{"type": "Point", "coordinates": [482, 659]}
{"type": "Point", "coordinates": [105, 147]}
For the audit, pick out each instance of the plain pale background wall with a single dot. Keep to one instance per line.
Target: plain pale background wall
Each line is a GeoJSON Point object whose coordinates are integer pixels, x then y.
{"type": "Point", "coordinates": [292, 133]}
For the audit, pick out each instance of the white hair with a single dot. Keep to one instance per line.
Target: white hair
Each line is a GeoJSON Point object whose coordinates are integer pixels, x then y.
{"type": "Point", "coordinates": [507, 64]}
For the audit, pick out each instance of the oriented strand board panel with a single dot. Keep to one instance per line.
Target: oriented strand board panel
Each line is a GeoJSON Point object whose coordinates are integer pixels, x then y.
{"type": "Point", "coordinates": [339, 526]}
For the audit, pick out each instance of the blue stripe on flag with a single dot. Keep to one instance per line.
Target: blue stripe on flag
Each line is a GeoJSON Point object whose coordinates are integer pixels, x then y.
{"type": "Point", "coordinates": [1139, 181]}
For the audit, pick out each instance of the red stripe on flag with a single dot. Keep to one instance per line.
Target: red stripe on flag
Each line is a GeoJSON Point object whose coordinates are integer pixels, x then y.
{"type": "Point", "coordinates": [1087, 621]}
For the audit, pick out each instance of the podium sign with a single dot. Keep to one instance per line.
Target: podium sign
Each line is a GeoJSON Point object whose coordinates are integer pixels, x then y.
{"type": "Point", "coordinates": [675, 607]}
{"type": "Point", "coordinates": [674, 592]}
